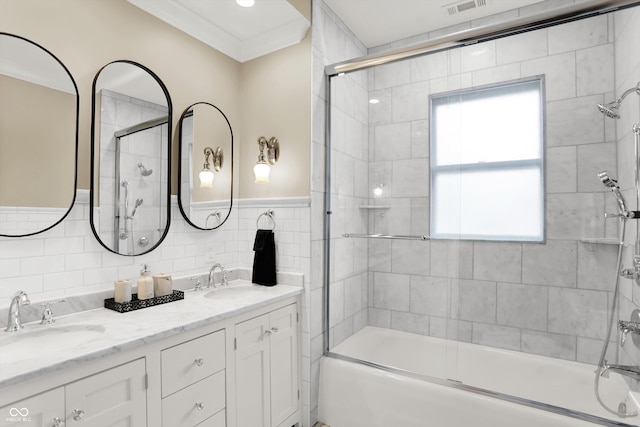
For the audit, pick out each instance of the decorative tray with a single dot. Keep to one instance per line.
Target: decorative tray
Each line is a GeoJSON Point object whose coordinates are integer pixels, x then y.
{"type": "Point", "coordinates": [137, 304]}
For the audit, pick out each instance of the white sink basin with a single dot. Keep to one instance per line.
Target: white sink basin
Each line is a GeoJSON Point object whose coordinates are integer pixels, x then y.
{"type": "Point", "coordinates": [234, 292]}
{"type": "Point", "coordinates": [34, 340]}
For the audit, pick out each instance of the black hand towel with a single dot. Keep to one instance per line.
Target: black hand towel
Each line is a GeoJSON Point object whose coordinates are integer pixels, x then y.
{"type": "Point", "coordinates": [264, 260]}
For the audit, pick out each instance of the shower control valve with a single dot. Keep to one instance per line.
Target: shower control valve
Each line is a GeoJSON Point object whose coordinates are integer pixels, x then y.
{"type": "Point", "coordinates": [628, 327]}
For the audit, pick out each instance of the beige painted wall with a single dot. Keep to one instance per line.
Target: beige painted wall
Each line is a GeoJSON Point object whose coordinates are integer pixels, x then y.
{"type": "Point", "coordinates": [269, 95]}
{"type": "Point", "coordinates": [275, 96]}
{"type": "Point", "coordinates": [37, 124]}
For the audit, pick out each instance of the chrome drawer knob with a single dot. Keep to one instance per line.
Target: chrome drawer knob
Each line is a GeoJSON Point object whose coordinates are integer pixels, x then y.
{"type": "Point", "coordinates": [57, 422]}
{"type": "Point", "coordinates": [199, 406]}
{"type": "Point", "coordinates": [77, 414]}
{"type": "Point", "coordinates": [199, 362]}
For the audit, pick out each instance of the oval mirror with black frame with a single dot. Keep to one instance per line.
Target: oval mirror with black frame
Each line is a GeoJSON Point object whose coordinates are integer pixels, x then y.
{"type": "Point", "coordinates": [38, 138]}
{"type": "Point", "coordinates": [205, 193]}
{"type": "Point", "coordinates": [130, 158]}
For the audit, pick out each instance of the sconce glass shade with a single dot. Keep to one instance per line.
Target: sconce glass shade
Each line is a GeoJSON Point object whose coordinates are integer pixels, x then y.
{"type": "Point", "coordinates": [206, 178]}
{"type": "Point", "coordinates": [261, 170]}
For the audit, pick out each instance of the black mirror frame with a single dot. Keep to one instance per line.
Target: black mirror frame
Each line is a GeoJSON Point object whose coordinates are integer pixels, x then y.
{"type": "Point", "coordinates": [180, 171]}
{"type": "Point", "coordinates": [93, 156]}
{"type": "Point", "coordinates": [75, 171]}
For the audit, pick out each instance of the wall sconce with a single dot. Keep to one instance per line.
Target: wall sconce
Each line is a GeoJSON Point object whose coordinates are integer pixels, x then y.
{"type": "Point", "coordinates": [206, 174]}
{"type": "Point", "coordinates": [261, 169]}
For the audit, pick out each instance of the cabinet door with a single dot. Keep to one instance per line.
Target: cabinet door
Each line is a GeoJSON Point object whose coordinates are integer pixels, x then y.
{"type": "Point", "coordinates": [284, 363]}
{"type": "Point", "coordinates": [252, 373]}
{"type": "Point", "coordinates": [116, 397]}
{"type": "Point", "coordinates": [36, 411]}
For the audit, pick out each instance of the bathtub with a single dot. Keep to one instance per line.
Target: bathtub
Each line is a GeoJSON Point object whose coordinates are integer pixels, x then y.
{"type": "Point", "coordinates": [448, 383]}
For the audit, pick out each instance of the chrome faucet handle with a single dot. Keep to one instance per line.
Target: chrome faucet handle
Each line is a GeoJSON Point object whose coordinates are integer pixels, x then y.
{"type": "Point", "coordinates": [47, 314]}
{"type": "Point", "coordinates": [197, 284]}
{"type": "Point", "coordinates": [627, 327]}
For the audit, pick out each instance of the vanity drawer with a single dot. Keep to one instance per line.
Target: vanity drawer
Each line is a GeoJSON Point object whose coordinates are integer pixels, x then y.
{"type": "Point", "coordinates": [192, 361]}
{"type": "Point", "coordinates": [196, 403]}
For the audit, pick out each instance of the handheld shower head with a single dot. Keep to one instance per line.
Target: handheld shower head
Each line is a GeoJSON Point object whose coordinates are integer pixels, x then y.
{"type": "Point", "coordinates": [138, 203]}
{"type": "Point", "coordinates": [612, 184]}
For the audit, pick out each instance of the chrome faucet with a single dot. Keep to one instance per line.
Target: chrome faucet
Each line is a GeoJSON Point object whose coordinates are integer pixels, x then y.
{"type": "Point", "coordinates": [13, 322]}
{"type": "Point", "coordinates": [631, 371]}
{"type": "Point", "coordinates": [628, 328]}
{"type": "Point", "coordinates": [211, 283]}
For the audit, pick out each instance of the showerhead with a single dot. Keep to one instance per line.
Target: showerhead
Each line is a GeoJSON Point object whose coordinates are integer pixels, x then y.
{"type": "Point", "coordinates": [612, 184]}
{"type": "Point", "coordinates": [612, 109]}
{"type": "Point", "coordinates": [144, 171]}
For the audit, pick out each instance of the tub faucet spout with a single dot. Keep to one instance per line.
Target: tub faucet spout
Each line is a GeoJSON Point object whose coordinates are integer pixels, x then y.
{"type": "Point", "coordinates": [631, 371]}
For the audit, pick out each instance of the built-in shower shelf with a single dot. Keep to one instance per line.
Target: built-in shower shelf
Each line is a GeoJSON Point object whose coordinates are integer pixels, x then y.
{"type": "Point", "coordinates": [600, 240]}
{"type": "Point", "coordinates": [373, 207]}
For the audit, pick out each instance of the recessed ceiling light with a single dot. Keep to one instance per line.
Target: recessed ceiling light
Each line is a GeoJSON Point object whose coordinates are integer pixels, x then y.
{"type": "Point", "coordinates": [245, 3]}
{"type": "Point", "coordinates": [374, 101]}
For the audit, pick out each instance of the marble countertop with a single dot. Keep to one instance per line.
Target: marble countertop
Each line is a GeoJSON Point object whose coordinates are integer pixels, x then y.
{"type": "Point", "coordinates": [73, 339]}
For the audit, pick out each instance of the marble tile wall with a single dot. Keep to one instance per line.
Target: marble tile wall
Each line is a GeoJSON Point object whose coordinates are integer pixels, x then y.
{"type": "Point", "coordinates": [332, 42]}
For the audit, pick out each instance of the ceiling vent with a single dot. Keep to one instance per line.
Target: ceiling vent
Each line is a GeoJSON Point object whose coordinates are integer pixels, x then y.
{"type": "Point", "coordinates": [463, 6]}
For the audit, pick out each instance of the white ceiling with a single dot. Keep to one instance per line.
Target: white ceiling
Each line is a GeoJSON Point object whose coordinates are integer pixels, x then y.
{"type": "Point", "coordinates": [378, 22]}
{"type": "Point", "coordinates": [247, 33]}
{"type": "Point", "coordinates": [239, 32]}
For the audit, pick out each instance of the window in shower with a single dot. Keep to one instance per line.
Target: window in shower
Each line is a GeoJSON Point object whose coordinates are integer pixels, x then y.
{"type": "Point", "coordinates": [487, 175]}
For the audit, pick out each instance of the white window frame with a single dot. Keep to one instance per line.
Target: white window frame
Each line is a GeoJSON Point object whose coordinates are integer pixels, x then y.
{"type": "Point", "coordinates": [462, 168]}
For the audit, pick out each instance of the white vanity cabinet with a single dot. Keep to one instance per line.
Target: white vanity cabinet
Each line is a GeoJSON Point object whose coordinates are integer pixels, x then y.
{"type": "Point", "coordinates": [238, 367]}
{"type": "Point", "coordinates": [116, 396]}
{"type": "Point", "coordinates": [266, 364]}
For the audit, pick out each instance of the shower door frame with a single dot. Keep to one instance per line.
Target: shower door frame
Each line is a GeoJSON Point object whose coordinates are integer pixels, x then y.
{"type": "Point", "coordinates": [574, 12]}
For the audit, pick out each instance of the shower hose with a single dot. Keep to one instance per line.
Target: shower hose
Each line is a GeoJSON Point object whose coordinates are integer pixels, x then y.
{"type": "Point", "coordinates": [621, 411]}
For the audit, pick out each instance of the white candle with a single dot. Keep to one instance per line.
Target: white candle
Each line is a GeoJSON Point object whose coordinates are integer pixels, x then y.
{"type": "Point", "coordinates": [162, 284]}
{"type": "Point", "coordinates": [122, 291]}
